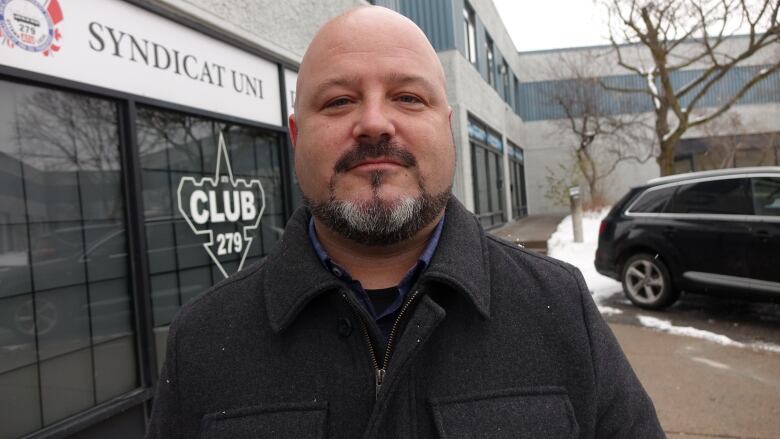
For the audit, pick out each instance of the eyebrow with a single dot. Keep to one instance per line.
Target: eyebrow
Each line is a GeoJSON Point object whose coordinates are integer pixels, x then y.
{"type": "Point", "coordinates": [395, 79]}
{"type": "Point", "coordinates": [339, 81]}
{"type": "Point", "coordinates": [405, 79]}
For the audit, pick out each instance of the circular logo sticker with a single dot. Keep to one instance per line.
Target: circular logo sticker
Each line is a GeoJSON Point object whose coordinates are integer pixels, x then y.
{"type": "Point", "coordinates": [28, 25]}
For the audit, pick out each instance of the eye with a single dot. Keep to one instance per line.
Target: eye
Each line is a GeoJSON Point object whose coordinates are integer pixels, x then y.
{"type": "Point", "coordinates": [410, 99]}
{"type": "Point", "coordinates": [338, 102]}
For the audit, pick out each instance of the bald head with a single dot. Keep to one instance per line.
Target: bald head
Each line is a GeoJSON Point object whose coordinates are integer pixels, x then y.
{"type": "Point", "coordinates": [372, 31]}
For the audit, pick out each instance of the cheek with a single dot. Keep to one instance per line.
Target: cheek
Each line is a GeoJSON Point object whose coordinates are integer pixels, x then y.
{"type": "Point", "coordinates": [436, 158]}
{"type": "Point", "coordinates": [314, 158]}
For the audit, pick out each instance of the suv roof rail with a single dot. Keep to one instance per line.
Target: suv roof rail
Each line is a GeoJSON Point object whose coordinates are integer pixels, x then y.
{"type": "Point", "coordinates": [713, 173]}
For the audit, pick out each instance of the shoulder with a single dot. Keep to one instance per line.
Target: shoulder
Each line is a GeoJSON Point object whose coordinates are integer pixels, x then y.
{"type": "Point", "coordinates": [235, 298]}
{"type": "Point", "coordinates": [544, 268]}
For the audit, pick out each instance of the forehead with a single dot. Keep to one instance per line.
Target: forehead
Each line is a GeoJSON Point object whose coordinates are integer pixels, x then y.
{"type": "Point", "coordinates": [365, 45]}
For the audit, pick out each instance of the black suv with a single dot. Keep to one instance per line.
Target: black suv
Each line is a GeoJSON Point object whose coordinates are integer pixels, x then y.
{"type": "Point", "coordinates": [712, 232]}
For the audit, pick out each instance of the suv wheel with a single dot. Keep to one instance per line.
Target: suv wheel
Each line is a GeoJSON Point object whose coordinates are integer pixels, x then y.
{"type": "Point", "coordinates": [646, 282]}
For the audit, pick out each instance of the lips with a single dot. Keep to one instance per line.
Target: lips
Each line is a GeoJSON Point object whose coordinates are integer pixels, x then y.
{"type": "Point", "coordinates": [380, 162]}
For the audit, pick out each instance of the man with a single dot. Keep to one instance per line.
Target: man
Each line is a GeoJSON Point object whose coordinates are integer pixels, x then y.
{"type": "Point", "coordinates": [385, 311]}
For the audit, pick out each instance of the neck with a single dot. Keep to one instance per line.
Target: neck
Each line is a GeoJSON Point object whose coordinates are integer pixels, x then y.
{"type": "Point", "coordinates": [375, 266]}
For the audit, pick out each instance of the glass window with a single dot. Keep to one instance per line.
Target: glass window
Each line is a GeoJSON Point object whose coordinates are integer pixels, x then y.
{"type": "Point", "coordinates": [766, 195]}
{"type": "Point", "coordinates": [491, 62]}
{"type": "Point", "coordinates": [487, 174]}
{"type": "Point", "coordinates": [517, 181]}
{"type": "Point", "coordinates": [653, 200]}
{"type": "Point", "coordinates": [481, 187]}
{"type": "Point", "coordinates": [470, 33]}
{"type": "Point", "coordinates": [185, 171]}
{"type": "Point", "coordinates": [505, 80]}
{"type": "Point", "coordinates": [64, 295]}
{"type": "Point", "coordinates": [725, 196]}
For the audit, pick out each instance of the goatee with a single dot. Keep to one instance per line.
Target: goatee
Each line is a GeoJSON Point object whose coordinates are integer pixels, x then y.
{"type": "Point", "coordinates": [378, 221]}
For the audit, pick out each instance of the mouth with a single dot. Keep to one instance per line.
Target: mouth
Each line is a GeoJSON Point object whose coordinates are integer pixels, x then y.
{"type": "Point", "coordinates": [376, 164]}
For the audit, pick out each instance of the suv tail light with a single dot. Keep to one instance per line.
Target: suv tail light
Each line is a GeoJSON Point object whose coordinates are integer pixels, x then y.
{"type": "Point", "coordinates": [602, 227]}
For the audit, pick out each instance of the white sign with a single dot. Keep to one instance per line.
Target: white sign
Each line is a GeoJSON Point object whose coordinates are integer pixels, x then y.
{"type": "Point", "coordinates": [225, 207]}
{"type": "Point", "coordinates": [112, 44]}
{"type": "Point", "coordinates": [290, 84]}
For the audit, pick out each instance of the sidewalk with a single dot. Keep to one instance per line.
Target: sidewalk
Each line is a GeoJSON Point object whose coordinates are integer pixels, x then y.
{"type": "Point", "coordinates": [531, 232]}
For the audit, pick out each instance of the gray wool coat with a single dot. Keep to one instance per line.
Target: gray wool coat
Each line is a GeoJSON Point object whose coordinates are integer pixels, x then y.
{"type": "Point", "coordinates": [498, 342]}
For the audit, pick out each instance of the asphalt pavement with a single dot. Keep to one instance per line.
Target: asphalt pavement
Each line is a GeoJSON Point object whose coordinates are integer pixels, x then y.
{"type": "Point", "coordinates": [702, 389]}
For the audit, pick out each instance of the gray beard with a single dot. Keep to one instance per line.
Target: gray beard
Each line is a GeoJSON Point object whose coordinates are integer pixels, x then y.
{"type": "Point", "coordinates": [377, 222]}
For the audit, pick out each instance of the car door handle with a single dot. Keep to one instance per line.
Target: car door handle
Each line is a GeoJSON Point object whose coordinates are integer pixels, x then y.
{"type": "Point", "coordinates": [761, 233]}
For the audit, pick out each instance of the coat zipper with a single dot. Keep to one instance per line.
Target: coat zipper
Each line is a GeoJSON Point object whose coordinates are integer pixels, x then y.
{"type": "Point", "coordinates": [379, 372]}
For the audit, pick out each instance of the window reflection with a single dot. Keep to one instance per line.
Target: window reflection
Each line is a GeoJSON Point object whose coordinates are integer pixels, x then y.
{"type": "Point", "coordinates": [63, 256]}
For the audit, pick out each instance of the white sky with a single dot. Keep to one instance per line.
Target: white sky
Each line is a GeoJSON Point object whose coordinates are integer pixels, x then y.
{"type": "Point", "coordinates": [551, 24]}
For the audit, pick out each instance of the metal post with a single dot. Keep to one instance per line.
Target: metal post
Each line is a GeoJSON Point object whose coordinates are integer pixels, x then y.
{"type": "Point", "coordinates": [576, 212]}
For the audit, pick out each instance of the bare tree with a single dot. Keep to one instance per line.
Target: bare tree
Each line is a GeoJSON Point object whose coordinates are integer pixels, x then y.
{"type": "Point", "coordinates": [697, 36]}
{"type": "Point", "coordinates": [603, 135]}
{"type": "Point", "coordinates": [728, 147]}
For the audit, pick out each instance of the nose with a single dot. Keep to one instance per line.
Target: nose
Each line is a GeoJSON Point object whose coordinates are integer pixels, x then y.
{"type": "Point", "coordinates": [375, 122]}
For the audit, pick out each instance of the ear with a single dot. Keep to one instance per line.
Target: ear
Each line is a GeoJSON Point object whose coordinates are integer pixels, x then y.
{"type": "Point", "coordinates": [292, 125]}
{"type": "Point", "coordinates": [449, 116]}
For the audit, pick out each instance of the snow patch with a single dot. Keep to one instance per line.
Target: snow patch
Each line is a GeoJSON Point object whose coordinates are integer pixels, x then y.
{"type": "Point", "coordinates": [609, 311]}
{"type": "Point", "coordinates": [668, 327]}
{"type": "Point", "coordinates": [561, 246]}
{"type": "Point", "coordinates": [711, 363]}
{"type": "Point", "coordinates": [653, 89]}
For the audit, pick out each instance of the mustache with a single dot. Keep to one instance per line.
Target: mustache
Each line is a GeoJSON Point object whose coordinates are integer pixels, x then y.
{"type": "Point", "coordinates": [368, 150]}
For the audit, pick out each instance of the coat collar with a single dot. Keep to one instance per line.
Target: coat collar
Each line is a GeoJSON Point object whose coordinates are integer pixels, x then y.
{"type": "Point", "coordinates": [294, 275]}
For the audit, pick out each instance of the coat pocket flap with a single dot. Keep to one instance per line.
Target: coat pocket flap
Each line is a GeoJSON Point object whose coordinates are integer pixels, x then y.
{"type": "Point", "coordinates": [512, 413]}
{"type": "Point", "coordinates": [304, 421]}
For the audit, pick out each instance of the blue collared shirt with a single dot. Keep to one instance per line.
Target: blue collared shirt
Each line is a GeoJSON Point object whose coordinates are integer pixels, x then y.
{"type": "Point", "coordinates": [386, 318]}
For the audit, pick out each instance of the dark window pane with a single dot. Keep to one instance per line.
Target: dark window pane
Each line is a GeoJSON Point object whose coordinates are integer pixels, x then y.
{"type": "Point", "coordinates": [158, 195]}
{"type": "Point", "coordinates": [160, 246]}
{"type": "Point", "coordinates": [62, 319]}
{"type": "Point", "coordinates": [653, 200]}
{"type": "Point", "coordinates": [20, 411]}
{"type": "Point", "coordinates": [481, 188]}
{"type": "Point", "coordinates": [17, 333]}
{"type": "Point", "coordinates": [63, 250]}
{"type": "Point", "coordinates": [66, 385]}
{"type": "Point", "coordinates": [726, 196]}
{"type": "Point", "coordinates": [194, 282]}
{"type": "Point", "coordinates": [15, 274]}
{"type": "Point", "coordinates": [766, 195]}
{"type": "Point", "coordinates": [57, 249]}
{"type": "Point", "coordinates": [115, 372]}
{"type": "Point", "coordinates": [110, 306]}
{"type": "Point", "coordinates": [494, 173]}
{"type": "Point", "coordinates": [106, 251]}
{"type": "Point", "coordinates": [160, 339]}
{"type": "Point", "coordinates": [165, 298]}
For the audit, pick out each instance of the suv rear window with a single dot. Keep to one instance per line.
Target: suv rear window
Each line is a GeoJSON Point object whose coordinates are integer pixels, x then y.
{"type": "Point", "coordinates": [766, 195]}
{"type": "Point", "coordinates": [653, 200]}
{"type": "Point", "coordinates": [725, 197]}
